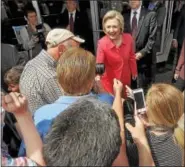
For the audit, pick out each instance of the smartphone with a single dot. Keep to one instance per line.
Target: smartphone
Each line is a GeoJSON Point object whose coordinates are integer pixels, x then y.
{"type": "Point", "coordinates": [140, 100]}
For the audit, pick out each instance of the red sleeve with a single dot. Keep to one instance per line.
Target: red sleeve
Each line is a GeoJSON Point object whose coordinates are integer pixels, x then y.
{"type": "Point", "coordinates": [181, 58]}
{"type": "Point", "coordinates": [100, 55]}
{"type": "Point", "coordinates": [132, 59]}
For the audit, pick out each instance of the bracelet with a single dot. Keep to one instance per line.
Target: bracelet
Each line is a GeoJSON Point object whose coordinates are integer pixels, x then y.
{"type": "Point", "coordinates": [177, 69]}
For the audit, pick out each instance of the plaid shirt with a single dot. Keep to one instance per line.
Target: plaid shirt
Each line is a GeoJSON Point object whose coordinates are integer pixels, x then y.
{"type": "Point", "coordinates": [38, 81]}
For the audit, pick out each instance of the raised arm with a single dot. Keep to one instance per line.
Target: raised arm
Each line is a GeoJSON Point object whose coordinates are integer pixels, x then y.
{"type": "Point", "coordinates": [18, 105]}
{"type": "Point", "coordinates": [121, 159]}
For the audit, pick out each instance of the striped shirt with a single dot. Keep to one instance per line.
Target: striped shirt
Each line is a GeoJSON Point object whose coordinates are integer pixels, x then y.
{"type": "Point", "coordinates": [165, 152]}
{"type": "Point", "coordinates": [38, 81]}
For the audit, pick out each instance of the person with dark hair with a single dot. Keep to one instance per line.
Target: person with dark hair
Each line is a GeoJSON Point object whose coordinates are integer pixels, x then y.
{"type": "Point", "coordinates": [81, 136]}
{"type": "Point", "coordinates": [29, 34]}
{"type": "Point", "coordinates": [160, 9]}
{"type": "Point", "coordinates": [77, 21]}
{"type": "Point", "coordinates": [142, 25]}
{"type": "Point", "coordinates": [12, 77]}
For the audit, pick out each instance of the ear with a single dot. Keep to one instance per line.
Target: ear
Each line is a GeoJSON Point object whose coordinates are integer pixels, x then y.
{"type": "Point", "coordinates": [61, 49]}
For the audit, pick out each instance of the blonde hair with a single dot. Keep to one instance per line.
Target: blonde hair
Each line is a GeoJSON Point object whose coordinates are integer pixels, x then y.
{"type": "Point", "coordinates": [165, 106]}
{"type": "Point", "coordinates": [76, 71]}
{"type": "Point", "coordinates": [111, 15]}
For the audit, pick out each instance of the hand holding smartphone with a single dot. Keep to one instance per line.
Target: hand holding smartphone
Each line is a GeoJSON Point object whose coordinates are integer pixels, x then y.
{"type": "Point", "coordinates": [140, 100]}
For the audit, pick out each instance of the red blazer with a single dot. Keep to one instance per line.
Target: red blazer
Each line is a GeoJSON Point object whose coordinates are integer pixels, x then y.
{"type": "Point", "coordinates": [120, 63]}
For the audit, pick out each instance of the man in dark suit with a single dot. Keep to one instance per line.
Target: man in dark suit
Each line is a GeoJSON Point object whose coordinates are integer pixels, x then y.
{"type": "Point", "coordinates": [77, 22]}
{"type": "Point", "coordinates": [179, 32]}
{"type": "Point", "coordinates": [160, 9]}
{"type": "Point", "coordinates": [142, 24]}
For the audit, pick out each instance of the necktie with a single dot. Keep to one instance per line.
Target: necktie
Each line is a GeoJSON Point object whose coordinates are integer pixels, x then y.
{"type": "Point", "coordinates": [71, 22]}
{"type": "Point", "coordinates": [134, 25]}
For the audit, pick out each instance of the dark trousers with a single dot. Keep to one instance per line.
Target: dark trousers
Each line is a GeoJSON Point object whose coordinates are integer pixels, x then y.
{"type": "Point", "coordinates": [180, 84]}
{"type": "Point", "coordinates": [146, 76]}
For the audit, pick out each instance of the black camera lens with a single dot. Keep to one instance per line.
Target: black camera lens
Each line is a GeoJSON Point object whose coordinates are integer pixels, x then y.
{"type": "Point", "coordinates": [100, 68]}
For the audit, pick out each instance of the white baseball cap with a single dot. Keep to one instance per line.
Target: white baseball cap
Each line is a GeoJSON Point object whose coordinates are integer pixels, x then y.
{"type": "Point", "coordinates": [57, 36]}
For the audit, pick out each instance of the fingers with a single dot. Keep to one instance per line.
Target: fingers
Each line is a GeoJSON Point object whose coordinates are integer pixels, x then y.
{"type": "Point", "coordinates": [129, 127]}
{"type": "Point", "coordinates": [115, 81]}
{"type": "Point", "coordinates": [176, 76]}
{"type": "Point", "coordinates": [8, 99]}
{"type": "Point", "coordinates": [135, 109]}
{"type": "Point", "coordinates": [129, 91]}
{"type": "Point", "coordinates": [128, 88]}
{"type": "Point", "coordinates": [14, 96]}
{"type": "Point", "coordinates": [143, 120]}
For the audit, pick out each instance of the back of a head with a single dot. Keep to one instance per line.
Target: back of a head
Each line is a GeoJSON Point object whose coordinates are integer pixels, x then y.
{"type": "Point", "coordinates": [12, 76]}
{"type": "Point", "coordinates": [85, 134]}
{"type": "Point", "coordinates": [165, 106]}
{"type": "Point", "coordinates": [76, 71]}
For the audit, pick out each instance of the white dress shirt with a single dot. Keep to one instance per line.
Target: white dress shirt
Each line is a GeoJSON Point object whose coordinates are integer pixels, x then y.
{"type": "Point", "coordinates": [74, 14]}
{"type": "Point", "coordinates": [137, 15]}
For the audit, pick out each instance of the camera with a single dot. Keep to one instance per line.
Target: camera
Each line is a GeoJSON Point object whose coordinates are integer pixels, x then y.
{"type": "Point", "coordinates": [40, 35]}
{"type": "Point", "coordinates": [128, 106]}
{"type": "Point", "coordinates": [130, 145]}
{"type": "Point", "coordinates": [100, 69]}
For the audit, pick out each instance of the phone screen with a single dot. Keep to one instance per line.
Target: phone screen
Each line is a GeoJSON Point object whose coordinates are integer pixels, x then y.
{"type": "Point", "coordinates": [139, 100]}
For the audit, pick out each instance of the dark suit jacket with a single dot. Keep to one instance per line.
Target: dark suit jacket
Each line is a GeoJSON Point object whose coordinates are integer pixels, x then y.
{"type": "Point", "coordinates": [146, 34]}
{"type": "Point", "coordinates": [81, 25]}
{"type": "Point", "coordinates": [179, 33]}
{"type": "Point", "coordinates": [160, 10]}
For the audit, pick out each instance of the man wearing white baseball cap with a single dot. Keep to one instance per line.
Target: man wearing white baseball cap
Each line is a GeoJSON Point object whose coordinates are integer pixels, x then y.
{"type": "Point", "coordinates": [38, 81]}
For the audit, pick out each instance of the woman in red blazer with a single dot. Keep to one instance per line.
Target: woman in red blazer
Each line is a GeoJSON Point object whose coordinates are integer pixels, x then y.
{"type": "Point", "coordinates": [116, 51]}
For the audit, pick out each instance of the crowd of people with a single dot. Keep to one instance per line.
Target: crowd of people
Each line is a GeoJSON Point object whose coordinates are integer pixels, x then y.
{"type": "Point", "coordinates": [69, 104]}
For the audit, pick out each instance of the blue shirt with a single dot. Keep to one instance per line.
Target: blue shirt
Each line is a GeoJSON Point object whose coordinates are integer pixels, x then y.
{"type": "Point", "coordinates": [44, 116]}
{"type": "Point", "coordinates": [151, 5]}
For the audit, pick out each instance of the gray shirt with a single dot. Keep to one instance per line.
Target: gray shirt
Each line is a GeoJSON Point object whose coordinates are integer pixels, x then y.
{"type": "Point", "coordinates": [38, 81]}
{"type": "Point", "coordinates": [26, 34]}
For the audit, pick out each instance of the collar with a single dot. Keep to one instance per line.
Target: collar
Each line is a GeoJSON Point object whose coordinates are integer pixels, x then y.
{"type": "Point", "coordinates": [48, 58]}
{"type": "Point", "coordinates": [112, 45]}
{"type": "Point", "coordinates": [138, 10]}
{"type": "Point", "coordinates": [70, 99]}
{"type": "Point", "coordinates": [74, 12]}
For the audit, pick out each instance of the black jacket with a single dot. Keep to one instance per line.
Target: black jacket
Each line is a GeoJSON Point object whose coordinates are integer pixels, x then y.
{"type": "Point", "coordinates": [179, 33]}
{"type": "Point", "coordinates": [81, 25]}
{"type": "Point", "coordinates": [146, 33]}
{"type": "Point", "coordinates": [160, 10]}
